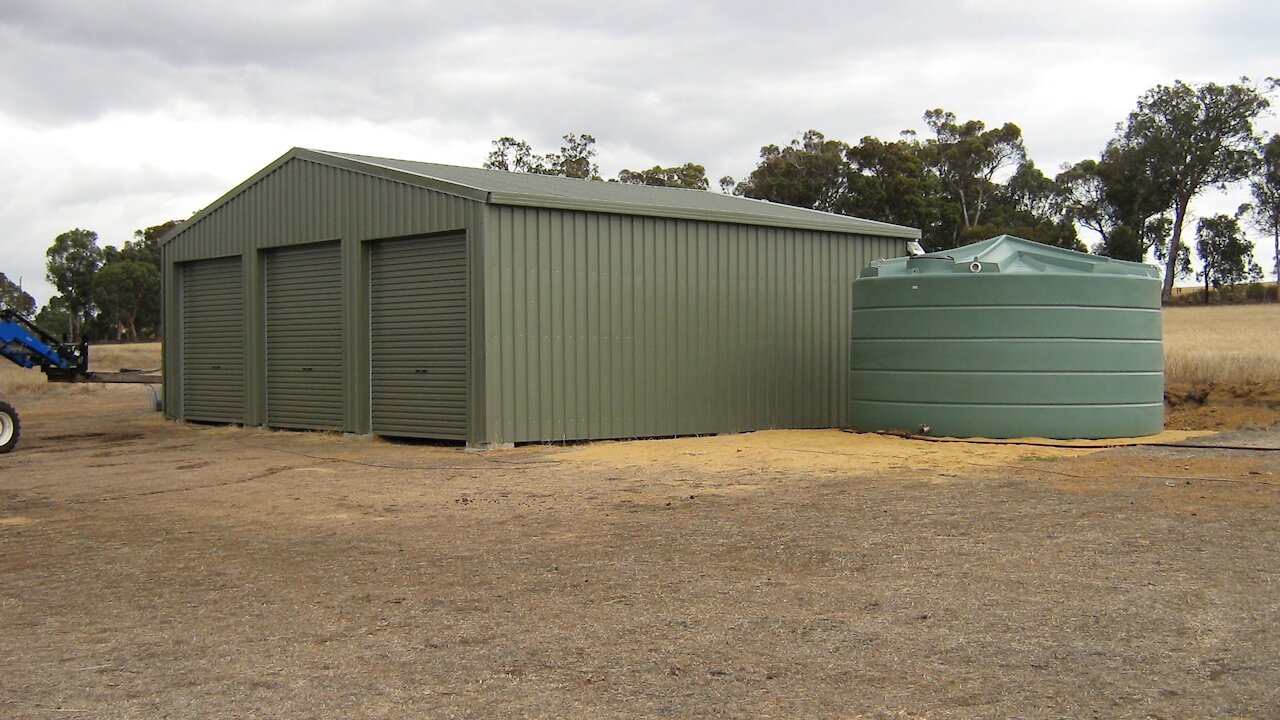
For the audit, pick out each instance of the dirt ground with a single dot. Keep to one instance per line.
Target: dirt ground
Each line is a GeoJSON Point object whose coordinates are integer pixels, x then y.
{"type": "Point", "coordinates": [1221, 406]}
{"type": "Point", "coordinates": [153, 569]}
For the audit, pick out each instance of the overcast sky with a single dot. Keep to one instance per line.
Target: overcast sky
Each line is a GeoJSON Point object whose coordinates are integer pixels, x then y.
{"type": "Point", "coordinates": [120, 114]}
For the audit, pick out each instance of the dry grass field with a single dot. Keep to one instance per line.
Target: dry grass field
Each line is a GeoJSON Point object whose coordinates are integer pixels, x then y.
{"type": "Point", "coordinates": [20, 383]}
{"type": "Point", "coordinates": [1236, 344]}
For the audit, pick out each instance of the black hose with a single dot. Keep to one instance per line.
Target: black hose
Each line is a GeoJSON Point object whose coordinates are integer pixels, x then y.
{"type": "Point", "coordinates": [1051, 444]}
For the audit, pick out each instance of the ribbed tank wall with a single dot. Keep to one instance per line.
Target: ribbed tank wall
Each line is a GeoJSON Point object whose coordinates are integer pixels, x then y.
{"type": "Point", "coordinates": [994, 355]}
{"type": "Point", "coordinates": [609, 326]}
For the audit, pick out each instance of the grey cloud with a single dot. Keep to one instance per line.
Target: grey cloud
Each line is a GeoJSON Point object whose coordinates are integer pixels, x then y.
{"type": "Point", "coordinates": [551, 66]}
{"type": "Point", "coordinates": [674, 81]}
{"type": "Point", "coordinates": [81, 58]}
{"type": "Point", "coordinates": [114, 202]}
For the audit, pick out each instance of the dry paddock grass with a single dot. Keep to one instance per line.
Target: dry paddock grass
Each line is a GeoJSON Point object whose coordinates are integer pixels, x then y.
{"type": "Point", "coordinates": [20, 383]}
{"type": "Point", "coordinates": [1232, 344]}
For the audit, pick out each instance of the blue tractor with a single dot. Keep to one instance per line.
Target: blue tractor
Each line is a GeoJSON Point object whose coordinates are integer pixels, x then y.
{"type": "Point", "coordinates": [28, 346]}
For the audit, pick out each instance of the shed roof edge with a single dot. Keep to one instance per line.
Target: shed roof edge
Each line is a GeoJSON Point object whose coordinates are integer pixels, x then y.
{"type": "Point", "coordinates": [840, 224]}
{"type": "Point", "coordinates": [820, 221]}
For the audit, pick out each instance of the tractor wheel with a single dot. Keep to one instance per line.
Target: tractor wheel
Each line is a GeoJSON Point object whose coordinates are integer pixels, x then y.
{"type": "Point", "coordinates": [9, 428]}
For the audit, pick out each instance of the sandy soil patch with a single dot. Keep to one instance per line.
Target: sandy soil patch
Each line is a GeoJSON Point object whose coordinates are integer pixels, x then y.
{"type": "Point", "coordinates": [834, 451]}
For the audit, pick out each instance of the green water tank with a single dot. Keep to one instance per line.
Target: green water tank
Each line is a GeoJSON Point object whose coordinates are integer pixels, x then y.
{"type": "Point", "coordinates": [1008, 338]}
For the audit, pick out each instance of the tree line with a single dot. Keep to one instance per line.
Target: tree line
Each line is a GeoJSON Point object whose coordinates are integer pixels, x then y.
{"type": "Point", "coordinates": [958, 181]}
{"type": "Point", "coordinates": [103, 292]}
{"type": "Point", "coordinates": [961, 180]}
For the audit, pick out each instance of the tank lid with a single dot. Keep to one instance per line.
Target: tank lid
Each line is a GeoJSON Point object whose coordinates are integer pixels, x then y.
{"type": "Point", "coordinates": [1010, 255]}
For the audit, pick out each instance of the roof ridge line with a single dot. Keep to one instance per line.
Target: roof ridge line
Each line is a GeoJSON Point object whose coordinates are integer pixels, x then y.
{"type": "Point", "coordinates": [365, 159]}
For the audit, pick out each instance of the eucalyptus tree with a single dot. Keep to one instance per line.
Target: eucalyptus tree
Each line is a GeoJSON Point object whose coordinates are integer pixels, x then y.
{"type": "Point", "coordinates": [968, 158]}
{"type": "Point", "coordinates": [1029, 205]}
{"type": "Point", "coordinates": [1225, 253]}
{"type": "Point", "coordinates": [1122, 197]}
{"type": "Point", "coordinates": [127, 292]}
{"type": "Point", "coordinates": [690, 176]}
{"type": "Point", "coordinates": [514, 155]}
{"type": "Point", "coordinates": [1200, 137]}
{"type": "Point", "coordinates": [952, 185]}
{"type": "Point", "coordinates": [71, 262]}
{"type": "Point", "coordinates": [810, 172]}
{"type": "Point", "coordinates": [889, 181]}
{"type": "Point", "coordinates": [576, 158]}
{"type": "Point", "coordinates": [13, 297]}
{"type": "Point", "coordinates": [1266, 197]}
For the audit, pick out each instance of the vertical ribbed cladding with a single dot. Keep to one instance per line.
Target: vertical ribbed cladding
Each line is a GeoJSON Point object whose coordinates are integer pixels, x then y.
{"type": "Point", "coordinates": [609, 326]}
{"type": "Point", "coordinates": [1047, 350]}
{"type": "Point", "coordinates": [580, 324]}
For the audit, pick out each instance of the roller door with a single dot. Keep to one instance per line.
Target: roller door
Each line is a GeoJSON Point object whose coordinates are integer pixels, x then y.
{"type": "Point", "coordinates": [418, 334]}
{"type": "Point", "coordinates": [304, 337]}
{"type": "Point", "coordinates": [213, 341]}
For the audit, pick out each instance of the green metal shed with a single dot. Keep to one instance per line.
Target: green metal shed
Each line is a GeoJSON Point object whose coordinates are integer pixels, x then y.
{"type": "Point", "coordinates": [371, 295]}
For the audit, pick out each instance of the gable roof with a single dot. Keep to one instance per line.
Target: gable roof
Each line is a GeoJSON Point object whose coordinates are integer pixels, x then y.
{"type": "Point", "coordinates": [498, 187]}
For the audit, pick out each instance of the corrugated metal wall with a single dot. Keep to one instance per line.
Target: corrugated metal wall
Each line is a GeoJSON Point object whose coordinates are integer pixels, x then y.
{"type": "Point", "coordinates": [302, 202]}
{"type": "Point", "coordinates": [582, 325]}
{"type": "Point", "coordinates": [212, 349]}
{"type": "Point", "coordinates": [602, 326]}
{"type": "Point", "coordinates": [305, 379]}
{"type": "Point", "coordinates": [418, 329]}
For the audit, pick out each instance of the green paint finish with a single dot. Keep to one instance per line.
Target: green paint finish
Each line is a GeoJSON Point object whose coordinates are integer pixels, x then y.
{"type": "Point", "coordinates": [1008, 338]}
{"type": "Point", "coordinates": [1011, 421]}
{"type": "Point", "coordinates": [1011, 256]}
{"type": "Point", "coordinates": [305, 372]}
{"type": "Point", "coordinates": [1029, 387]}
{"type": "Point", "coordinates": [975, 320]}
{"type": "Point", "coordinates": [211, 353]}
{"type": "Point", "coordinates": [548, 192]}
{"type": "Point", "coordinates": [1061, 290]}
{"type": "Point", "coordinates": [601, 326]}
{"type": "Point", "coordinates": [590, 310]}
{"type": "Point", "coordinates": [1003, 354]}
{"type": "Point", "coordinates": [293, 202]}
{"type": "Point", "coordinates": [418, 328]}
